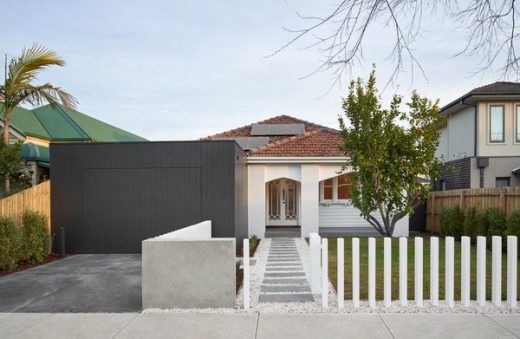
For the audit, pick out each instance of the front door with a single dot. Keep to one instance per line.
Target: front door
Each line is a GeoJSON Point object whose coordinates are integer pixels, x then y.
{"type": "Point", "coordinates": [282, 209]}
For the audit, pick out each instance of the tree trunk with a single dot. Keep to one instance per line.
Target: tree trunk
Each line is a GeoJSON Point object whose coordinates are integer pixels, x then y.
{"type": "Point", "coordinates": [7, 183]}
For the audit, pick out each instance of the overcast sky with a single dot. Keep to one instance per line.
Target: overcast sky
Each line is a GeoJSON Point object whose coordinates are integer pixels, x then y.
{"type": "Point", "coordinates": [172, 70]}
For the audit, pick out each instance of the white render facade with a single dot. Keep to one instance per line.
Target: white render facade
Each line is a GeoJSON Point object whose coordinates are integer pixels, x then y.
{"type": "Point", "coordinates": [301, 185]}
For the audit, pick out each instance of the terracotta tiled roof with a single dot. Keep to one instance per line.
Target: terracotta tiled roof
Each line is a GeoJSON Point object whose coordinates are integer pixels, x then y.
{"type": "Point", "coordinates": [317, 140]}
{"type": "Point", "coordinates": [319, 143]}
{"type": "Point", "coordinates": [245, 131]}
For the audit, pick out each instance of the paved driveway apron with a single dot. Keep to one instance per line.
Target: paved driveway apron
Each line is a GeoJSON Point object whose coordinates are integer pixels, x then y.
{"type": "Point", "coordinates": [80, 283]}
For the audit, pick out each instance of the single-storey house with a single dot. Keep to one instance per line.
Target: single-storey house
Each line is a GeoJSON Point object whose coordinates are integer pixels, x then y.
{"type": "Point", "coordinates": [295, 180]}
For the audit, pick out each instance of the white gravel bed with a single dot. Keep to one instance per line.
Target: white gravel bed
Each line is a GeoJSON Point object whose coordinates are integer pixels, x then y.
{"type": "Point", "coordinates": [256, 275]}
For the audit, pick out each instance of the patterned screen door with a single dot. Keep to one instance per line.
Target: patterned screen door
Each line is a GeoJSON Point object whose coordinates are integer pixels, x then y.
{"type": "Point", "coordinates": [282, 203]}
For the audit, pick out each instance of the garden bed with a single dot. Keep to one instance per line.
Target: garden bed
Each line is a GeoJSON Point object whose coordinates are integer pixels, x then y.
{"type": "Point", "coordinates": [253, 245]}
{"type": "Point", "coordinates": [27, 264]}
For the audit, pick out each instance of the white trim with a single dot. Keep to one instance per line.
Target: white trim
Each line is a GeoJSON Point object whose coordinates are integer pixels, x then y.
{"type": "Point", "coordinates": [335, 187]}
{"type": "Point", "coordinates": [300, 160]}
{"type": "Point", "coordinates": [516, 124]}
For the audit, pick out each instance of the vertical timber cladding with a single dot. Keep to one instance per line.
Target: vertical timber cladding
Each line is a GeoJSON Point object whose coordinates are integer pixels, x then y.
{"type": "Point", "coordinates": [111, 196]}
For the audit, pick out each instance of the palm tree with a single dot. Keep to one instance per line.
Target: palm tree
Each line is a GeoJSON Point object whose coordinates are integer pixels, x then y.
{"type": "Point", "coordinates": [18, 89]}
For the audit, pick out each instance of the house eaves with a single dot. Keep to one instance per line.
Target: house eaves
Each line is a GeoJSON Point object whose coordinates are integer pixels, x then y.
{"type": "Point", "coordinates": [296, 160]}
{"type": "Point", "coordinates": [472, 98]}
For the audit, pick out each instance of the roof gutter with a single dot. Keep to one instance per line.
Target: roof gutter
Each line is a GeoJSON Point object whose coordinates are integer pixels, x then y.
{"type": "Point", "coordinates": [296, 160]}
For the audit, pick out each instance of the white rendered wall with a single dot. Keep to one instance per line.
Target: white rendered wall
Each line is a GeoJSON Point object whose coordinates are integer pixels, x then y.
{"type": "Point", "coordinates": [256, 200]}
{"type": "Point", "coordinates": [309, 197]}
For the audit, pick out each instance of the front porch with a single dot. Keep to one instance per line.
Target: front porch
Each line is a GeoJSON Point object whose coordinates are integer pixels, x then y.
{"type": "Point", "coordinates": [283, 232]}
{"type": "Point", "coordinates": [295, 199]}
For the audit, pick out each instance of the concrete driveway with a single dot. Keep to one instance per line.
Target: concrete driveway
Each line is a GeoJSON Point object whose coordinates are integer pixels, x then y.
{"type": "Point", "coordinates": [80, 283]}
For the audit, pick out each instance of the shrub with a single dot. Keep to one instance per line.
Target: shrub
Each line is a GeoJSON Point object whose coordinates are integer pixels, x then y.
{"type": "Point", "coordinates": [513, 224]}
{"type": "Point", "coordinates": [471, 222]}
{"type": "Point", "coordinates": [496, 222]}
{"type": "Point", "coordinates": [482, 225]}
{"type": "Point", "coordinates": [452, 221]}
{"type": "Point", "coordinates": [36, 237]}
{"type": "Point", "coordinates": [11, 242]}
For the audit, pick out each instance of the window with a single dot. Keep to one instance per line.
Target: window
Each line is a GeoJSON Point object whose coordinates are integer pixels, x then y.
{"type": "Point", "coordinates": [496, 123]}
{"type": "Point", "coordinates": [328, 189]}
{"type": "Point", "coordinates": [336, 189]}
{"type": "Point", "coordinates": [442, 185]}
{"type": "Point", "coordinates": [344, 187]}
{"type": "Point", "coordinates": [518, 123]}
{"type": "Point", "coordinates": [502, 182]}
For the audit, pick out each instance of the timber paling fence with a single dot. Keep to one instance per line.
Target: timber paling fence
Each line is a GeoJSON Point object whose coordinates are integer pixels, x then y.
{"type": "Point", "coordinates": [36, 198]}
{"type": "Point", "coordinates": [507, 199]}
{"type": "Point", "coordinates": [320, 282]}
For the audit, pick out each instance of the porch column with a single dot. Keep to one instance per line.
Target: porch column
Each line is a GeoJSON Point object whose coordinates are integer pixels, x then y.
{"type": "Point", "coordinates": [256, 200]}
{"type": "Point", "coordinates": [309, 210]}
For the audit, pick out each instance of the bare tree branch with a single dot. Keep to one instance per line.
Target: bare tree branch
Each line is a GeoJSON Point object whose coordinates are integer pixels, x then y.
{"type": "Point", "coordinates": [490, 25]}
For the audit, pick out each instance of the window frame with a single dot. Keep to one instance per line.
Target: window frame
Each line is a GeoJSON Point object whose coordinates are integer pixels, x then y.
{"type": "Point", "coordinates": [503, 124]}
{"type": "Point", "coordinates": [322, 191]}
{"type": "Point", "coordinates": [503, 178]}
{"type": "Point", "coordinates": [517, 123]}
{"type": "Point", "coordinates": [335, 187]}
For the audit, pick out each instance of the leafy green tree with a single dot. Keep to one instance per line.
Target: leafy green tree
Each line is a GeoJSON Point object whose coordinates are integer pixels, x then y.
{"type": "Point", "coordinates": [388, 150]}
{"type": "Point", "coordinates": [18, 88]}
{"type": "Point", "coordinates": [10, 161]}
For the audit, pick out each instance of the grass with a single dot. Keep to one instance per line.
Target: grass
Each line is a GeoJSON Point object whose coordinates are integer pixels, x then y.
{"type": "Point", "coordinates": [395, 268]}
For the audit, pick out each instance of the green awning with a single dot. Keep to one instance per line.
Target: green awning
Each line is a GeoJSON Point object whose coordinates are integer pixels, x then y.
{"type": "Point", "coordinates": [33, 152]}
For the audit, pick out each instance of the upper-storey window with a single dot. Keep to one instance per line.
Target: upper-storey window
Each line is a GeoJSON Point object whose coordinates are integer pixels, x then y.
{"type": "Point", "coordinates": [496, 123]}
{"type": "Point", "coordinates": [518, 123]}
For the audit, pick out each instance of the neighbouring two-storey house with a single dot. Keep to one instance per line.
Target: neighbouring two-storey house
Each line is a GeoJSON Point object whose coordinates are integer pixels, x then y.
{"type": "Point", "coordinates": [480, 142]}
{"type": "Point", "coordinates": [295, 180]}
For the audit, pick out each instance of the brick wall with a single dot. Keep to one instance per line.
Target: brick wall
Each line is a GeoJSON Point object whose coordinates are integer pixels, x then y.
{"type": "Point", "coordinates": [456, 174]}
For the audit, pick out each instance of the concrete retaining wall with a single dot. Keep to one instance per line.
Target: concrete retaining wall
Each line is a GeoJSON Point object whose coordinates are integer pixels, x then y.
{"type": "Point", "coordinates": [180, 273]}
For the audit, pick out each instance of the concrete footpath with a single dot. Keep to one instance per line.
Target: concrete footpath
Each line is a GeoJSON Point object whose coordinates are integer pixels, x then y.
{"type": "Point", "coordinates": [256, 325]}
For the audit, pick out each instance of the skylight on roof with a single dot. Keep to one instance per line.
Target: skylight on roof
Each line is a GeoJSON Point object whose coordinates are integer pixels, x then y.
{"type": "Point", "coordinates": [277, 129]}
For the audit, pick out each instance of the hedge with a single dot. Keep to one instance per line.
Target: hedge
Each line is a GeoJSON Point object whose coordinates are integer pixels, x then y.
{"type": "Point", "coordinates": [29, 242]}
{"type": "Point", "coordinates": [456, 223]}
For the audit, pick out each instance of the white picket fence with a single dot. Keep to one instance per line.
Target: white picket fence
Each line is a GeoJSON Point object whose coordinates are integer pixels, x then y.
{"type": "Point", "coordinates": [320, 283]}
{"type": "Point", "coordinates": [198, 231]}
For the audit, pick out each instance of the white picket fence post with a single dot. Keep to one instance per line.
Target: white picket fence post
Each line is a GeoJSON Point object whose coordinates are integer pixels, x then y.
{"type": "Point", "coordinates": [481, 270]}
{"type": "Point", "coordinates": [512, 258]}
{"type": "Point", "coordinates": [325, 272]}
{"type": "Point", "coordinates": [496, 276]}
{"type": "Point", "coordinates": [418, 271]}
{"type": "Point", "coordinates": [245, 265]}
{"type": "Point", "coordinates": [465, 253]}
{"type": "Point", "coordinates": [434, 271]}
{"type": "Point", "coordinates": [355, 272]}
{"type": "Point", "coordinates": [315, 265]}
{"type": "Point", "coordinates": [388, 271]}
{"type": "Point", "coordinates": [403, 271]}
{"type": "Point", "coordinates": [372, 272]}
{"type": "Point", "coordinates": [341, 272]}
{"type": "Point", "coordinates": [449, 287]}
